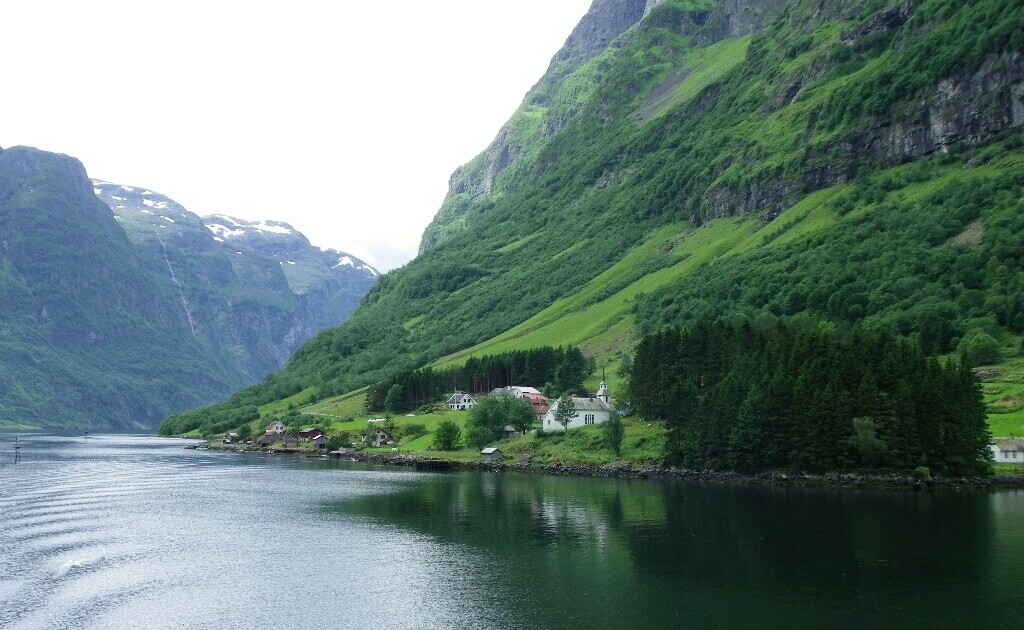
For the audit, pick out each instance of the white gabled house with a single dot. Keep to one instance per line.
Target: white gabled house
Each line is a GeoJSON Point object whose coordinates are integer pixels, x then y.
{"type": "Point", "coordinates": [520, 391]}
{"type": "Point", "coordinates": [461, 402]}
{"type": "Point", "coordinates": [1007, 450]}
{"type": "Point", "coordinates": [376, 436]}
{"type": "Point", "coordinates": [275, 427]}
{"type": "Point", "coordinates": [596, 410]}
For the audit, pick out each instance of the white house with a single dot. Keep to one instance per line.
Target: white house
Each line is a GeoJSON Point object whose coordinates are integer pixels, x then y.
{"type": "Point", "coordinates": [275, 427]}
{"type": "Point", "coordinates": [589, 411]}
{"type": "Point", "coordinates": [461, 402]}
{"type": "Point", "coordinates": [1007, 450]}
{"type": "Point", "coordinates": [520, 391]}
{"type": "Point", "coordinates": [376, 436]}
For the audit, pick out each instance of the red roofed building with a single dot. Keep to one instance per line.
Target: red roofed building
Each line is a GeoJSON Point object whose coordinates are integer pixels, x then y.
{"type": "Point", "coordinates": [539, 401]}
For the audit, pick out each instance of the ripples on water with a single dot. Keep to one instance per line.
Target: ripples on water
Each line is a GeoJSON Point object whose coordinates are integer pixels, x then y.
{"type": "Point", "coordinates": [122, 532]}
{"type": "Point", "coordinates": [131, 532]}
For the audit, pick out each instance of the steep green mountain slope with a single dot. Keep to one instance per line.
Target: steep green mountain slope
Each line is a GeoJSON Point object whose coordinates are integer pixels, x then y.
{"type": "Point", "coordinates": [848, 160]}
{"type": "Point", "coordinates": [113, 321]}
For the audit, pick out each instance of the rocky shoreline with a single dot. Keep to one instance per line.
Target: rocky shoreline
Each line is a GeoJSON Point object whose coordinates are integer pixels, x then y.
{"type": "Point", "coordinates": [622, 470]}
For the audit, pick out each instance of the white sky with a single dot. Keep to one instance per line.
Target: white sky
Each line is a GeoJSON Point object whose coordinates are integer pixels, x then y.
{"type": "Point", "coordinates": [345, 119]}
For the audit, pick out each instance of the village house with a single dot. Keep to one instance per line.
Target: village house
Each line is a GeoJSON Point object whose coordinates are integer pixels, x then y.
{"type": "Point", "coordinates": [376, 436]}
{"type": "Point", "coordinates": [310, 433]}
{"type": "Point", "coordinates": [268, 438]}
{"type": "Point", "coordinates": [231, 438]}
{"type": "Point", "coordinates": [319, 442]}
{"type": "Point", "coordinates": [1008, 450]}
{"type": "Point", "coordinates": [461, 402]}
{"type": "Point", "coordinates": [595, 410]}
{"type": "Point", "coordinates": [275, 427]}
{"type": "Point", "coordinates": [291, 442]}
{"type": "Point", "coordinates": [539, 402]}
{"type": "Point", "coordinates": [516, 391]}
{"type": "Point", "coordinates": [521, 391]}
{"type": "Point", "coordinates": [491, 454]}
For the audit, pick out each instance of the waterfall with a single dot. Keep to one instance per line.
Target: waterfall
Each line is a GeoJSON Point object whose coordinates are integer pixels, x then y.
{"type": "Point", "coordinates": [181, 290]}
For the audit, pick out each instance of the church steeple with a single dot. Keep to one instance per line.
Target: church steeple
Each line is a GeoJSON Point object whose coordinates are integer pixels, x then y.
{"type": "Point", "coordinates": [602, 391]}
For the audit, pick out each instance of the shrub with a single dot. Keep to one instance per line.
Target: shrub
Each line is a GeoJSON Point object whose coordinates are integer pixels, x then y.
{"type": "Point", "coordinates": [447, 436]}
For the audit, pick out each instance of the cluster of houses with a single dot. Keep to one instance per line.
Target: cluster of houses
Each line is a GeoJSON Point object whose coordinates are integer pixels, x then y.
{"type": "Point", "coordinates": [596, 409]}
{"type": "Point", "coordinates": [277, 432]}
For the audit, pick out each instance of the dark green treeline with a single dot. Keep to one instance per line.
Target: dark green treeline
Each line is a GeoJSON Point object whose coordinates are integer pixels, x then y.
{"type": "Point", "coordinates": [560, 368]}
{"type": "Point", "coordinates": [814, 399]}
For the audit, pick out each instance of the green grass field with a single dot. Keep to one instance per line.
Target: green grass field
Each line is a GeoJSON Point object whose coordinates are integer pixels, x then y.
{"type": "Point", "coordinates": [1003, 385]}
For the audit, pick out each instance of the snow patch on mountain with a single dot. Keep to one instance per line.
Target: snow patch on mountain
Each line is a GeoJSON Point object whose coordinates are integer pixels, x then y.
{"type": "Point", "coordinates": [159, 205]}
{"type": "Point", "coordinates": [224, 219]}
{"type": "Point", "coordinates": [266, 226]}
{"type": "Point", "coordinates": [222, 231]}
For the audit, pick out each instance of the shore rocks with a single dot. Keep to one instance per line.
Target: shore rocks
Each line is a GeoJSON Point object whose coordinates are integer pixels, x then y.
{"type": "Point", "coordinates": [623, 470]}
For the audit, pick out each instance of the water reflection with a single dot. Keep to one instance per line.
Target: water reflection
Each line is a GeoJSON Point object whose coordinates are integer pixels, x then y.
{"type": "Point", "coordinates": [130, 532]}
{"type": "Point", "coordinates": [662, 551]}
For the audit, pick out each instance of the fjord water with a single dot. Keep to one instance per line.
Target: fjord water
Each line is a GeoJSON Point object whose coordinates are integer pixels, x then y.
{"type": "Point", "coordinates": [130, 532]}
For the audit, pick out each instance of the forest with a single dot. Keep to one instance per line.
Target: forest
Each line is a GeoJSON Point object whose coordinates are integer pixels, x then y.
{"type": "Point", "coordinates": [809, 397]}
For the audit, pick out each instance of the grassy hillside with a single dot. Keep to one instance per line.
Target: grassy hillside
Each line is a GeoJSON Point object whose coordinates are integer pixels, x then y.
{"type": "Point", "coordinates": [694, 172]}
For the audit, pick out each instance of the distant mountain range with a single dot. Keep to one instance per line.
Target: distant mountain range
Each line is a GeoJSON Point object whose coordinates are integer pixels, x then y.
{"type": "Point", "coordinates": [118, 305]}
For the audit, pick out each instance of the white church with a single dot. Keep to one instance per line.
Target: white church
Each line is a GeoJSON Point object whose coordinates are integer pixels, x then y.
{"type": "Point", "coordinates": [596, 410]}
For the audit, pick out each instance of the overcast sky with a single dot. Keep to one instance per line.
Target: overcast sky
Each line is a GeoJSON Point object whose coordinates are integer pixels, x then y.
{"type": "Point", "coordinates": [344, 119]}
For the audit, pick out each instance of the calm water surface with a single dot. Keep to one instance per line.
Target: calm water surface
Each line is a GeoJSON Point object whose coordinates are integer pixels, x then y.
{"type": "Point", "coordinates": [132, 532]}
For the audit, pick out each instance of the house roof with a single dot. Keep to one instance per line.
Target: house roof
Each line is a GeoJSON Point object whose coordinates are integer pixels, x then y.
{"type": "Point", "coordinates": [524, 389]}
{"type": "Point", "coordinates": [490, 450]}
{"type": "Point", "coordinates": [535, 396]}
{"type": "Point", "coordinates": [458, 398]}
{"type": "Point", "coordinates": [1009, 444]}
{"type": "Point", "coordinates": [270, 427]}
{"type": "Point", "coordinates": [589, 404]}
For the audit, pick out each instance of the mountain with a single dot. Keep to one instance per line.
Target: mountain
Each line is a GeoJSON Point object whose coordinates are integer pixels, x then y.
{"type": "Point", "coordinates": [257, 289]}
{"type": "Point", "coordinates": [688, 160]}
{"type": "Point", "coordinates": [113, 319]}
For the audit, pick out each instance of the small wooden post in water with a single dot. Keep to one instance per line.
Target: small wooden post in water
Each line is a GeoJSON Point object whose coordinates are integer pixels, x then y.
{"type": "Point", "coordinates": [17, 450]}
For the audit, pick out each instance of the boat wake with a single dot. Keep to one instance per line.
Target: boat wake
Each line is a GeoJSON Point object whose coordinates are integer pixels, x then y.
{"type": "Point", "coordinates": [72, 565]}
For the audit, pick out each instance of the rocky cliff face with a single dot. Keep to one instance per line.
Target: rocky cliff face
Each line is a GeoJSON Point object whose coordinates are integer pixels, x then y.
{"type": "Point", "coordinates": [970, 108]}
{"type": "Point", "coordinates": [606, 20]}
